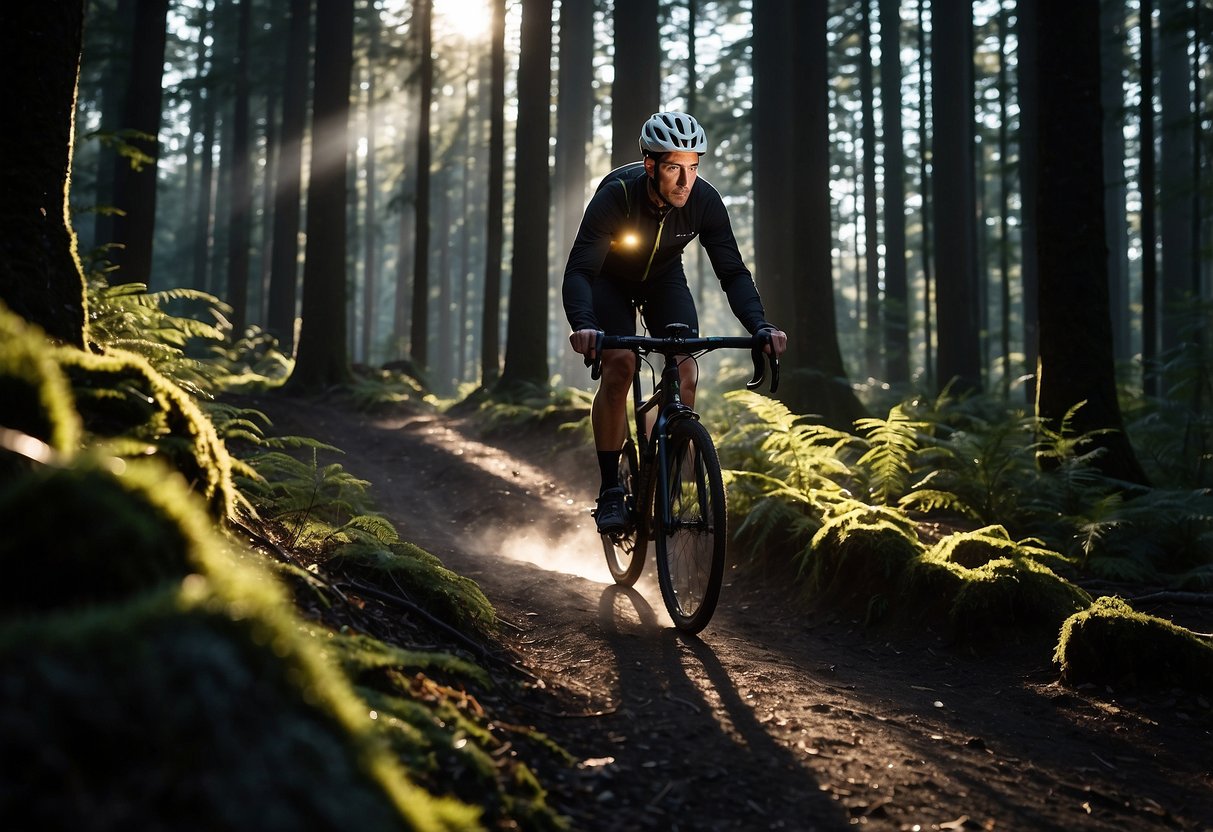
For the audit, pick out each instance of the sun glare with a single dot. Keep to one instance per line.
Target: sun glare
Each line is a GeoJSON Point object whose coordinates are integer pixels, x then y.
{"type": "Point", "coordinates": [470, 19]}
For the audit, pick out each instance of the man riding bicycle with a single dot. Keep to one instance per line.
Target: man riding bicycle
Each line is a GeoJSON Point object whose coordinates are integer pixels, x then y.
{"type": "Point", "coordinates": [628, 256]}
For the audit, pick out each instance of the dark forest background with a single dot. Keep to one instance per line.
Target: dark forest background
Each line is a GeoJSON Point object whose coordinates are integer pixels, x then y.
{"type": "Point", "coordinates": [1003, 197]}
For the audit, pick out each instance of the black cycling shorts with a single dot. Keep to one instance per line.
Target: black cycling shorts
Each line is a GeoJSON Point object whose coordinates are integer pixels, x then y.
{"type": "Point", "coordinates": [662, 300]}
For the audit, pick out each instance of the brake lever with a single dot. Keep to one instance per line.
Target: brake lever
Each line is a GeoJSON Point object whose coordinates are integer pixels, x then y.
{"type": "Point", "coordinates": [759, 369]}
{"type": "Point", "coordinates": [595, 363]}
{"type": "Point", "coordinates": [757, 354]}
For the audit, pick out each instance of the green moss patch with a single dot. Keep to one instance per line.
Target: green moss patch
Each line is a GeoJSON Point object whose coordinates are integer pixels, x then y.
{"type": "Point", "coordinates": [81, 535]}
{"type": "Point", "coordinates": [120, 397]}
{"type": "Point", "coordinates": [409, 570]}
{"type": "Point", "coordinates": [185, 695]}
{"type": "Point", "coordinates": [860, 556]}
{"type": "Point", "coordinates": [35, 398]}
{"type": "Point", "coordinates": [981, 584]}
{"type": "Point", "coordinates": [1113, 644]}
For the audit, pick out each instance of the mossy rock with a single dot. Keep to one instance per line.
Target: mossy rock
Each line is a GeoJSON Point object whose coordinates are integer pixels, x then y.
{"type": "Point", "coordinates": [198, 704]}
{"type": "Point", "coordinates": [860, 556]}
{"type": "Point", "coordinates": [1112, 644]}
{"type": "Point", "coordinates": [398, 567]}
{"type": "Point", "coordinates": [982, 585]}
{"type": "Point", "coordinates": [120, 397]}
{"type": "Point", "coordinates": [37, 400]}
{"type": "Point", "coordinates": [1018, 600]}
{"type": "Point", "coordinates": [81, 535]}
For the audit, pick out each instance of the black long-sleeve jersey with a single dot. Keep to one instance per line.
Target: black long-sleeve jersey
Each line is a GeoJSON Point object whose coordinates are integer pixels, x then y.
{"type": "Point", "coordinates": [624, 237]}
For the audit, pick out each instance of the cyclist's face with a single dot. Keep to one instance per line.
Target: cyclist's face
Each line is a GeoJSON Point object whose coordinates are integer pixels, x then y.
{"type": "Point", "coordinates": [675, 174]}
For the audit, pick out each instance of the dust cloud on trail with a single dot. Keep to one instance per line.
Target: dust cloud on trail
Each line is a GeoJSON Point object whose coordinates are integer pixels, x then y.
{"type": "Point", "coordinates": [577, 553]}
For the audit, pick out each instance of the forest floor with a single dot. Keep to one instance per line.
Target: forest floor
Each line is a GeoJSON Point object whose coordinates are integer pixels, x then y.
{"type": "Point", "coordinates": [775, 717]}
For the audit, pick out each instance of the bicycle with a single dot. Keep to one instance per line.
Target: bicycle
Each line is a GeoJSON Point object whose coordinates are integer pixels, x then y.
{"type": "Point", "coordinates": [673, 488]}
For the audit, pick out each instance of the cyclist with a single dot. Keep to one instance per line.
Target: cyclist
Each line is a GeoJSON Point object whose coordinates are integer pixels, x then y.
{"type": "Point", "coordinates": [628, 256]}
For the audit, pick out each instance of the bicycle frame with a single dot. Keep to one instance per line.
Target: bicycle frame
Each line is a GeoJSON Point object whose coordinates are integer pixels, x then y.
{"type": "Point", "coordinates": [667, 394]}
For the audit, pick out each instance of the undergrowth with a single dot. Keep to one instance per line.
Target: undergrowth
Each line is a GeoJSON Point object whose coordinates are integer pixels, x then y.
{"type": "Point", "coordinates": [153, 612]}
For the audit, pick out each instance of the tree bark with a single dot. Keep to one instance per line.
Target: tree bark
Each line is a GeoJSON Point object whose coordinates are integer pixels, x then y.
{"type": "Point", "coordinates": [796, 262]}
{"type": "Point", "coordinates": [1175, 171]}
{"type": "Point", "coordinates": [40, 275]}
{"type": "Point", "coordinates": [526, 361]}
{"type": "Point", "coordinates": [1076, 365]}
{"type": "Point", "coordinates": [419, 333]}
{"type": "Point", "coordinates": [636, 90]}
{"type": "Point", "coordinates": [872, 327]}
{"type": "Point", "coordinates": [490, 327]}
{"type": "Point", "coordinates": [957, 313]}
{"type": "Point", "coordinates": [240, 197]}
{"type": "Point", "coordinates": [897, 301]}
{"type": "Point", "coordinates": [135, 190]}
{"type": "Point", "coordinates": [322, 359]}
{"type": "Point", "coordinates": [284, 269]}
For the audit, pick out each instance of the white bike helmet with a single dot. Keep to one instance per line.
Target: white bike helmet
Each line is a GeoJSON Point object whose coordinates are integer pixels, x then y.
{"type": "Point", "coordinates": [672, 133]}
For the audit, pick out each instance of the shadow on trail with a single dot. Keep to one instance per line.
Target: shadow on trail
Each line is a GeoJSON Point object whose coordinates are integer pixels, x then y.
{"type": "Point", "coordinates": [695, 737]}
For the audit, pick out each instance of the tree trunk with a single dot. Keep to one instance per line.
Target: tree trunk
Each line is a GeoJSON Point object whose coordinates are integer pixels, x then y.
{"type": "Point", "coordinates": [240, 197]}
{"type": "Point", "coordinates": [1112, 28]}
{"type": "Point", "coordinates": [490, 327]}
{"type": "Point", "coordinates": [574, 117]}
{"type": "Point", "coordinates": [1175, 171]}
{"type": "Point", "coordinates": [420, 332]}
{"type": "Point", "coordinates": [897, 300]}
{"type": "Point", "coordinates": [322, 359]}
{"type": "Point", "coordinates": [814, 379]}
{"type": "Point", "coordinates": [1149, 206]}
{"type": "Point", "coordinates": [636, 90]}
{"type": "Point", "coordinates": [370, 252]}
{"type": "Point", "coordinates": [135, 190]}
{"type": "Point", "coordinates": [956, 302]}
{"type": "Point", "coordinates": [1028, 174]}
{"type": "Point", "coordinates": [526, 333]}
{"type": "Point", "coordinates": [872, 329]}
{"type": "Point", "coordinates": [284, 271]}
{"type": "Point", "coordinates": [924, 189]}
{"type": "Point", "coordinates": [40, 276]}
{"type": "Point", "coordinates": [1076, 364]}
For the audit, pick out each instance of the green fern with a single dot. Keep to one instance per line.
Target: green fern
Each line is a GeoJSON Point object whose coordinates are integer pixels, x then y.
{"type": "Point", "coordinates": [891, 446]}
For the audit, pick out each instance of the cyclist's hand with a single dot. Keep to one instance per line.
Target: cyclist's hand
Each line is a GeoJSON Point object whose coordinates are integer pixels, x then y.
{"type": "Point", "coordinates": [776, 343]}
{"type": "Point", "coordinates": [584, 342]}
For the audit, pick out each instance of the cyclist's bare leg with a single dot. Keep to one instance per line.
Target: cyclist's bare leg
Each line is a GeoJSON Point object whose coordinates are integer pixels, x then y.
{"type": "Point", "coordinates": [610, 411]}
{"type": "Point", "coordinates": [688, 372]}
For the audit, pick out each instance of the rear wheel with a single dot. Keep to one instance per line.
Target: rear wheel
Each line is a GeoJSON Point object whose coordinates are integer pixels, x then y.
{"type": "Point", "coordinates": [690, 545]}
{"type": "Point", "coordinates": [625, 550]}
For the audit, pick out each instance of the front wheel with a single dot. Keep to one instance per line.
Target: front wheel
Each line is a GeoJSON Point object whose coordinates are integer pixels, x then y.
{"type": "Point", "coordinates": [689, 520]}
{"type": "Point", "coordinates": [625, 550]}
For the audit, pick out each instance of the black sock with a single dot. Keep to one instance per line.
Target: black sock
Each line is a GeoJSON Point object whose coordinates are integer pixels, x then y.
{"type": "Point", "coordinates": [608, 465]}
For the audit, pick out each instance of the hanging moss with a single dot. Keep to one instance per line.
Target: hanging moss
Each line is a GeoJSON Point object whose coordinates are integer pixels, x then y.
{"type": "Point", "coordinates": [120, 396]}
{"type": "Point", "coordinates": [1112, 644]}
{"type": "Point", "coordinates": [859, 557]}
{"type": "Point", "coordinates": [36, 399]}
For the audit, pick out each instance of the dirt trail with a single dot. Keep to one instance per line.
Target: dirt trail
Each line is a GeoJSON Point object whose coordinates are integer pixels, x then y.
{"type": "Point", "coordinates": [773, 718]}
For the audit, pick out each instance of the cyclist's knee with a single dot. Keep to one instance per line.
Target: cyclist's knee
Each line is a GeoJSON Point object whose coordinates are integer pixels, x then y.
{"type": "Point", "coordinates": [617, 369]}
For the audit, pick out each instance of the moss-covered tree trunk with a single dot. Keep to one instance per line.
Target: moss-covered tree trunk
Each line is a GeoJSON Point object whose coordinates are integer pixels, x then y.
{"type": "Point", "coordinates": [40, 275]}
{"type": "Point", "coordinates": [1076, 362]}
